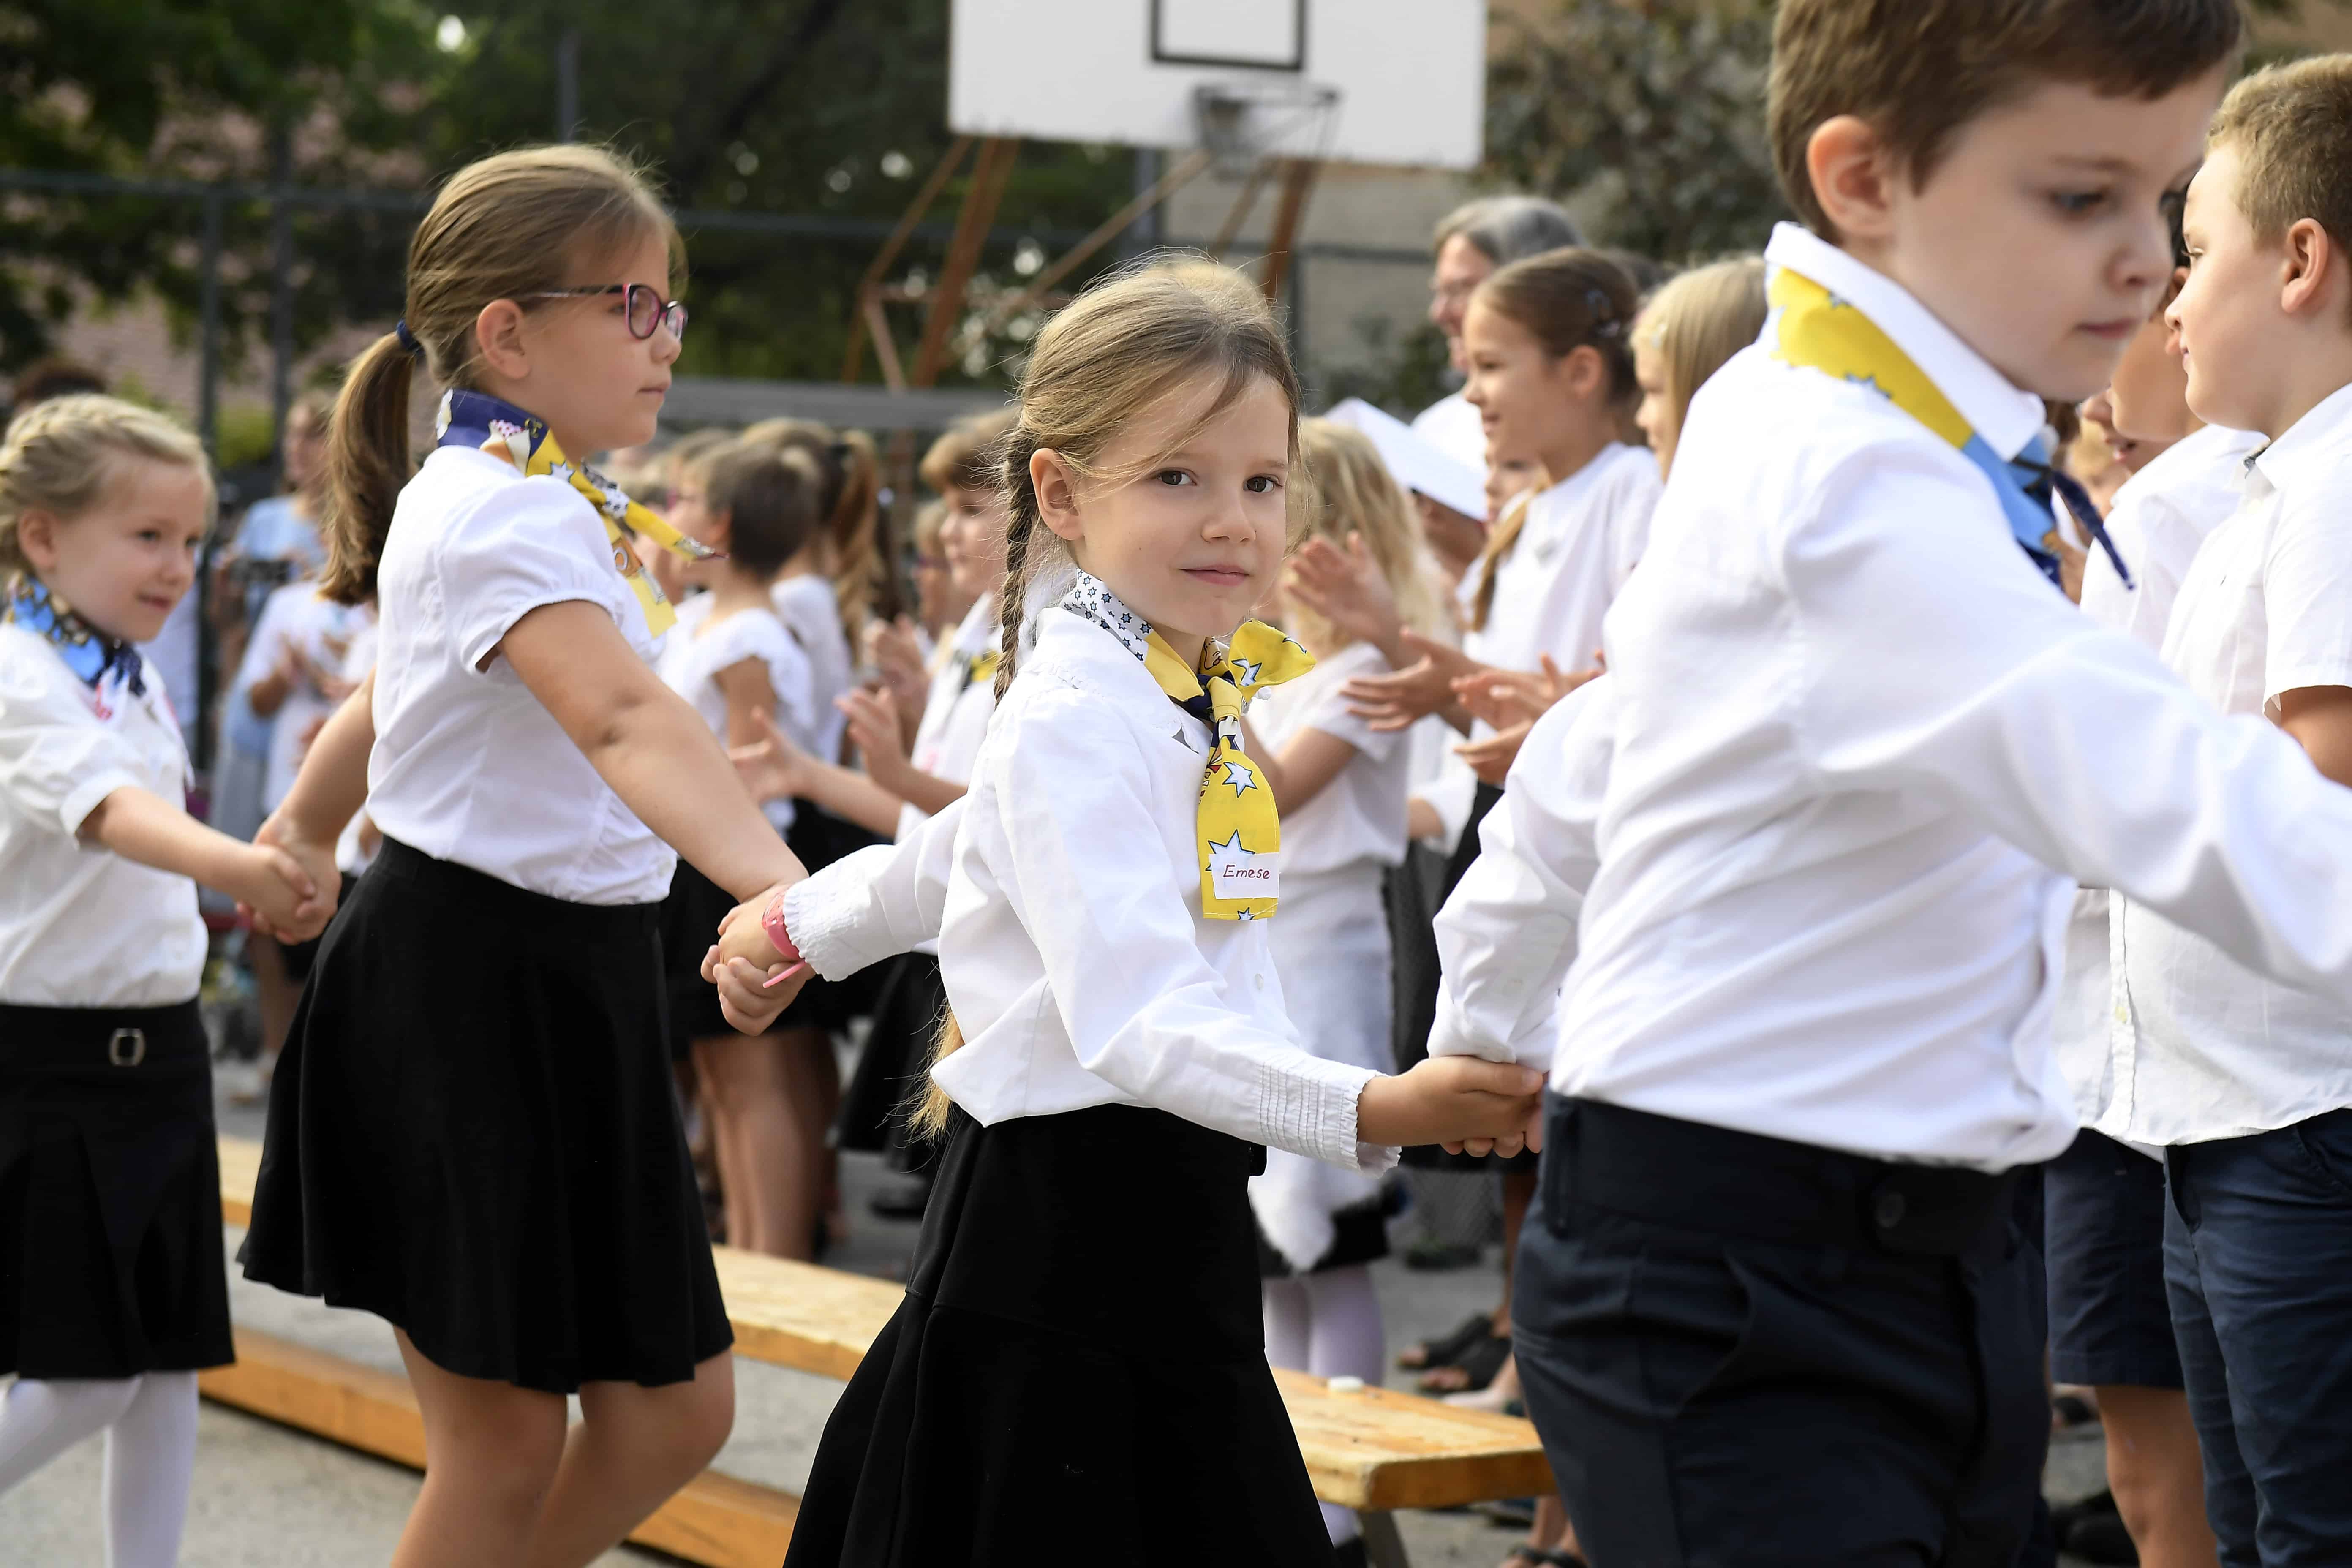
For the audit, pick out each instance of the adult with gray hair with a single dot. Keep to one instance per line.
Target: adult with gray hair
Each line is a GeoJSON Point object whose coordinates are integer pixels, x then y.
{"type": "Point", "coordinates": [1471, 242]}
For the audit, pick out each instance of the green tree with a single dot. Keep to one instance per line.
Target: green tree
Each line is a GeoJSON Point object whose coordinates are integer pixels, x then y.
{"type": "Point", "coordinates": [815, 107]}
{"type": "Point", "coordinates": [189, 89]}
{"type": "Point", "coordinates": [1648, 117]}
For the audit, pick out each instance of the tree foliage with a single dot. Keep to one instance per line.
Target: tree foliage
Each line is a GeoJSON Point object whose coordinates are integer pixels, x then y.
{"type": "Point", "coordinates": [796, 107]}
{"type": "Point", "coordinates": [1647, 116]}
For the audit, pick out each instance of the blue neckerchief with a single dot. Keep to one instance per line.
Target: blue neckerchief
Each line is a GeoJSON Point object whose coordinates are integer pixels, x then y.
{"type": "Point", "coordinates": [89, 653]}
{"type": "Point", "coordinates": [2026, 484]}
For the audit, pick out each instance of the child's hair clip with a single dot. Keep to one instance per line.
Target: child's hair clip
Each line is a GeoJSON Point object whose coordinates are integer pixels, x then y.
{"type": "Point", "coordinates": [1604, 314]}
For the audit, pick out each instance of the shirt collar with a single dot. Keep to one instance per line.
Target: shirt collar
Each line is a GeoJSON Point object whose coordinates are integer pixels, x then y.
{"type": "Point", "coordinates": [2007, 417]}
{"type": "Point", "coordinates": [2310, 441]}
{"type": "Point", "coordinates": [1090, 599]}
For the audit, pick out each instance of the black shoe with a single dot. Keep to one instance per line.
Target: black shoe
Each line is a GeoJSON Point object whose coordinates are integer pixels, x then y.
{"type": "Point", "coordinates": [2098, 1505]}
{"type": "Point", "coordinates": [906, 1201]}
{"type": "Point", "coordinates": [1350, 1554]}
{"type": "Point", "coordinates": [2102, 1538]}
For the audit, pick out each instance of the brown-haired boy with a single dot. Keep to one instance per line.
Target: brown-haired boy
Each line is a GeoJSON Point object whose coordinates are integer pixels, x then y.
{"type": "Point", "coordinates": [1774, 1306]}
{"type": "Point", "coordinates": [2247, 1081]}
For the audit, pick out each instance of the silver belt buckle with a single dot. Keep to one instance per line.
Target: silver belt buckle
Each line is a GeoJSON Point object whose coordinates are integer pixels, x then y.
{"type": "Point", "coordinates": [127, 1048]}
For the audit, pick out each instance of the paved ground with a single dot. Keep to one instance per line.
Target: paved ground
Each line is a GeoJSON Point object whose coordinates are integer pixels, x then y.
{"type": "Point", "coordinates": [269, 1497]}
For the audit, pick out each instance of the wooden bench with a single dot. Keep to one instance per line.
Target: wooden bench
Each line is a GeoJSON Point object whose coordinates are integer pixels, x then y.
{"type": "Point", "coordinates": [1373, 1449]}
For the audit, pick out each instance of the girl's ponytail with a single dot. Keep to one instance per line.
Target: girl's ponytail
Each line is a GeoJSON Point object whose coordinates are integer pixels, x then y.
{"type": "Point", "coordinates": [367, 463]}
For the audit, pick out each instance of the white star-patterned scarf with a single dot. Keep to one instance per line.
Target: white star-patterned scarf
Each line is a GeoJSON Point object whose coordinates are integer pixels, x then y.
{"type": "Point", "coordinates": [1238, 833]}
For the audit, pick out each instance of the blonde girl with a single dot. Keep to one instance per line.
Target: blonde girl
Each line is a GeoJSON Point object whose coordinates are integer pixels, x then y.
{"type": "Point", "coordinates": [1341, 786]}
{"type": "Point", "coordinates": [1691, 326]}
{"type": "Point", "coordinates": [473, 1131]}
{"type": "Point", "coordinates": [1081, 1338]}
{"type": "Point", "coordinates": [112, 1292]}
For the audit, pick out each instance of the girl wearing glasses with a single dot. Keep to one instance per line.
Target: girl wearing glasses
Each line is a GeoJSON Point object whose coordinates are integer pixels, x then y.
{"type": "Point", "coordinates": [472, 1132]}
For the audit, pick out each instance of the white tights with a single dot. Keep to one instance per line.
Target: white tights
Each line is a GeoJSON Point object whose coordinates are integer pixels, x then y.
{"type": "Point", "coordinates": [1329, 1324]}
{"type": "Point", "coordinates": [150, 1424]}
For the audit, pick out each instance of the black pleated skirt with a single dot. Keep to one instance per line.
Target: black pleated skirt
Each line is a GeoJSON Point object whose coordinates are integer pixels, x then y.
{"type": "Point", "coordinates": [473, 1134]}
{"type": "Point", "coordinates": [110, 1251]}
{"type": "Point", "coordinates": [908, 1004]}
{"type": "Point", "coordinates": [1078, 1368]}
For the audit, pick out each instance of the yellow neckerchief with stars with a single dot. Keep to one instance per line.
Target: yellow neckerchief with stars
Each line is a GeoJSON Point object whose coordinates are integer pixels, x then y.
{"type": "Point", "coordinates": [1237, 832]}
{"type": "Point", "coordinates": [492, 425]}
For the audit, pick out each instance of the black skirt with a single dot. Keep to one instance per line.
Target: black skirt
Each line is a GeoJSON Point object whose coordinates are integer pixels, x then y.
{"type": "Point", "coordinates": [1078, 1367]}
{"type": "Point", "coordinates": [1416, 891]}
{"type": "Point", "coordinates": [110, 1194]}
{"type": "Point", "coordinates": [474, 1134]}
{"type": "Point", "coordinates": [908, 1006]}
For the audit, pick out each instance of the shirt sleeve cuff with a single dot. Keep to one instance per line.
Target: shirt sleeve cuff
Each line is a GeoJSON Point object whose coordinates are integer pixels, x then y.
{"type": "Point", "coordinates": [834, 917]}
{"type": "Point", "coordinates": [1309, 1107]}
{"type": "Point", "coordinates": [87, 794]}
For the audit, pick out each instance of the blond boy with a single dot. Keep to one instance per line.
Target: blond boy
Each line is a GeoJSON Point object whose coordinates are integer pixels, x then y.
{"type": "Point", "coordinates": [2246, 1080]}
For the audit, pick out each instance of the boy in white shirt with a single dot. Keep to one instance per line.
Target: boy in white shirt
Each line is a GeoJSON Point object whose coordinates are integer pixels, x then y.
{"type": "Point", "coordinates": [2247, 1079]}
{"type": "Point", "coordinates": [1856, 749]}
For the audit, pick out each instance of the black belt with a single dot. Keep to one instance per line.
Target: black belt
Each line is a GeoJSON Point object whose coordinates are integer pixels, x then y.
{"type": "Point", "coordinates": [1690, 1174]}
{"type": "Point", "coordinates": [75, 1039]}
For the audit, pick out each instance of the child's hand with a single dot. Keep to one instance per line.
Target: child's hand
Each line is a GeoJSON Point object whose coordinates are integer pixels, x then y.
{"type": "Point", "coordinates": [1507, 697]}
{"type": "Point", "coordinates": [1491, 758]}
{"type": "Point", "coordinates": [773, 768]}
{"type": "Point", "coordinates": [749, 996]}
{"type": "Point", "coordinates": [1348, 589]}
{"type": "Point", "coordinates": [873, 728]}
{"type": "Point", "coordinates": [897, 655]}
{"type": "Point", "coordinates": [1452, 1099]}
{"type": "Point", "coordinates": [1399, 701]}
{"type": "Point", "coordinates": [743, 936]}
{"type": "Point", "coordinates": [286, 903]}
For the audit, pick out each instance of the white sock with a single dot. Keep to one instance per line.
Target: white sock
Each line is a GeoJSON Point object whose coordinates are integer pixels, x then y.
{"type": "Point", "coordinates": [1329, 1324]}
{"type": "Point", "coordinates": [151, 1458]}
{"type": "Point", "coordinates": [43, 1418]}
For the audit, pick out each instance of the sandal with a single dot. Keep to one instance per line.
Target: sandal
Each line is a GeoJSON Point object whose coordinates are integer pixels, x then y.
{"type": "Point", "coordinates": [1448, 1351]}
{"type": "Point", "coordinates": [1478, 1364]}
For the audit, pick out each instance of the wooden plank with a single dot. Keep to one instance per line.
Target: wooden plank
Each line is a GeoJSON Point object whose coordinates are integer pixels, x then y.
{"type": "Point", "coordinates": [1383, 1449]}
{"type": "Point", "coordinates": [800, 1315]}
{"type": "Point", "coordinates": [715, 1520]}
{"type": "Point", "coordinates": [240, 1164]}
{"type": "Point", "coordinates": [1373, 1449]}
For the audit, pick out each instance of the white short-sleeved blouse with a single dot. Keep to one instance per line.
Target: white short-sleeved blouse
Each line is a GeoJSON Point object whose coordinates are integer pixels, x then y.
{"type": "Point", "coordinates": [467, 765]}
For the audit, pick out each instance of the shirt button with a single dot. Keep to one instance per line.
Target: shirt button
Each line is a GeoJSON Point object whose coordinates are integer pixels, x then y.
{"type": "Point", "coordinates": [1889, 1210]}
{"type": "Point", "coordinates": [1260, 980]}
{"type": "Point", "coordinates": [2122, 1014]}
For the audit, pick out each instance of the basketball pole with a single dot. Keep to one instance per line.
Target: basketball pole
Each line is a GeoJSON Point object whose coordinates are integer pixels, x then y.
{"type": "Point", "coordinates": [1297, 182]}
{"type": "Point", "coordinates": [1190, 168]}
{"type": "Point", "coordinates": [868, 314]}
{"type": "Point", "coordinates": [973, 221]}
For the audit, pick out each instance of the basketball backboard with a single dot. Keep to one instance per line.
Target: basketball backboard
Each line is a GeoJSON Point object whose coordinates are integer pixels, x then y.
{"type": "Point", "coordinates": [1365, 81]}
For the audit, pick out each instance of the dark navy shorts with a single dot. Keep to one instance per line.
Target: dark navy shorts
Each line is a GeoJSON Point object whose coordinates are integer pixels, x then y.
{"type": "Point", "coordinates": [2110, 1321]}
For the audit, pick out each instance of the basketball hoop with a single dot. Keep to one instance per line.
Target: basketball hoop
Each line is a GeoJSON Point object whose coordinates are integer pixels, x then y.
{"type": "Point", "coordinates": [1244, 122]}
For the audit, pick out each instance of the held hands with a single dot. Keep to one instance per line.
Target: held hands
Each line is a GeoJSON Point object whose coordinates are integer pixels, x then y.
{"type": "Point", "coordinates": [287, 889]}
{"type": "Point", "coordinates": [1403, 699]}
{"type": "Point", "coordinates": [755, 981]}
{"type": "Point", "coordinates": [1491, 1107]}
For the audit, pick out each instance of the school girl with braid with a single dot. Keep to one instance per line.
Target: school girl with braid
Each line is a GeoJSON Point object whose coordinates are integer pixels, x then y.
{"type": "Point", "coordinates": [472, 1132]}
{"type": "Point", "coordinates": [1081, 1337]}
